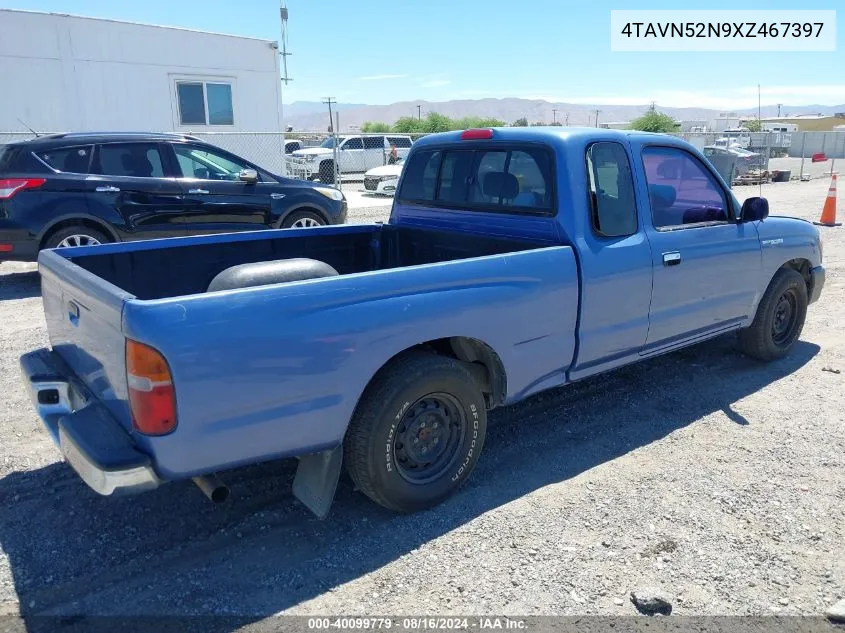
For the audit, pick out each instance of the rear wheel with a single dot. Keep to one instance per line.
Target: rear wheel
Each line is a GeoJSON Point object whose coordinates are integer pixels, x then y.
{"type": "Point", "coordinates": [73, 236]}
{"type": "Point", "coordinates": [779, 319]}
{"type": "Point", "coordinates": [417, 432]}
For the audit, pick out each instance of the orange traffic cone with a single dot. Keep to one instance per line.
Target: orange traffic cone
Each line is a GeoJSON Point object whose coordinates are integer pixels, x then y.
{"type": "Point", "coordinates": [829, 209]}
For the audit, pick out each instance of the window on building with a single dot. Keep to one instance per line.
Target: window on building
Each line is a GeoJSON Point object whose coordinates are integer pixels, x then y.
{"type": "Point", "coordinates": [205, 103]}
{"type": "Point", "coordinates": [140, 160]}
{"type": "Point", "coordinates": [613, 207]}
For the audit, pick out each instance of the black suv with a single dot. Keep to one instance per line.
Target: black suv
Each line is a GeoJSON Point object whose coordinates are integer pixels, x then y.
{"type": "Point", "coordinates": [81, 189]}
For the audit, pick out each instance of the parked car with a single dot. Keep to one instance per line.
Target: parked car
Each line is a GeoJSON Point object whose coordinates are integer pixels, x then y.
{"type": "Point", "coordinates": [382, 180]}
{"type": "Point", "coordinates": [292, 145]}
{"type": "Point", "coordinates": [743, 159]}
{"type": "Point", "coordinates": [80, 189]}
{"type": "Point", "coordinates": [355, 154]}
{"type": "Point", "coordinates": [515, 260]}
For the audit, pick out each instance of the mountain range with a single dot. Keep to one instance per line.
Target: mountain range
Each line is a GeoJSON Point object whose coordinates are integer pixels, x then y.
{"type": "Point", "coordinates": [312, 116]}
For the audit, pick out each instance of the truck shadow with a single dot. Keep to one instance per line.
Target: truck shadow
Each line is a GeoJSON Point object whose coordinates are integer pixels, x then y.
{"type": "Point", "coordinates": [20, 285]}
{"type": "Point", "coordinates": [171, 552]}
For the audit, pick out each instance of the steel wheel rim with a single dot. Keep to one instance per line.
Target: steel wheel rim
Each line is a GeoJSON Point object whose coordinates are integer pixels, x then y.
{"type": "Point", "coordinates": [786, 315]}
{"type": "Point", "coordinates": [305, 223]}
{"type": "Point", "coordinates": [78, 239]}
{"type": "Point", "coordinates": [428, 438]}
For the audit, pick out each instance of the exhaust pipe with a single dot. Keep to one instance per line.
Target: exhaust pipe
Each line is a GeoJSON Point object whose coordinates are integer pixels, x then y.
{"type": "Point", "coordinates": [212, 487]}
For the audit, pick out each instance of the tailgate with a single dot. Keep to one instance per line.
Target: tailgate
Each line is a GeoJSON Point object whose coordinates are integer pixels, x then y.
{"type": "Point", "coordinates": [83, 315]}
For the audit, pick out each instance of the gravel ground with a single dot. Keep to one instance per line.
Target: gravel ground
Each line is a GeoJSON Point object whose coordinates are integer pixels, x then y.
{"type": "Point", "coordinates": [715, 479]}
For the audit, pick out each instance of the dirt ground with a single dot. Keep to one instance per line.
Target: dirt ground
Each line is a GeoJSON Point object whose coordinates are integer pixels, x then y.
{"type": "Point", "coordinates": [705, 474]}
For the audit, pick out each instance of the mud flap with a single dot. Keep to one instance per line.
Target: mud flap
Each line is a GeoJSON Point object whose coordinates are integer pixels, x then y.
{"type": "Point", "coordinates": [316, 480]}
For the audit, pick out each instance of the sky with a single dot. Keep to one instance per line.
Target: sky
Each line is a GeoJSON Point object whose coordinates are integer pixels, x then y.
{"type": "Point", "coordinates": [383, 51]}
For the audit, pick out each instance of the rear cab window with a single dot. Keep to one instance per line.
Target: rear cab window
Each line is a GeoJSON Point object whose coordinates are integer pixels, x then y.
{"type": "Point", "coordinates": [505, 178]}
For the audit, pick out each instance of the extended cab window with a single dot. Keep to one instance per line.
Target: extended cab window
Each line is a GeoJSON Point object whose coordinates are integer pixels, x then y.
{"type": "Point", "coordinates": [681, 190]}
{"type": "Point", "coordinates": [613, 207]}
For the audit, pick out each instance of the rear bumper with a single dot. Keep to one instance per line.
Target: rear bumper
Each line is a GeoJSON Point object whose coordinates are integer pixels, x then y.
{"type": "Point", "coordinates": [91, 440]}
{"type": "Point", "coordinates": [816, 283]}
{"type": "Point", "coordinates": [17, 246]}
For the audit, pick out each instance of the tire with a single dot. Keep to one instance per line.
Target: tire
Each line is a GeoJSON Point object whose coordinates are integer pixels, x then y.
{"type": "Point", "coordinates": [303, 219]}
{"type": "Point", "coordinates": [77, 233]}
{"type": "Point", "coordinates": [326, 172]}
{"type": "Point", "coordinates": [779, 319]}
{"type": "Point", "coordinates": [413, 390]}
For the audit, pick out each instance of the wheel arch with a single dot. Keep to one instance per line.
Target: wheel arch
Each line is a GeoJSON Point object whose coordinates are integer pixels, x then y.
{"type": "Point", "coordinates": [81, 219]}
{"type": "Point", "coordinates": [801, 266]}
{"type": "Point", "coordinates": [481, 360]}
{"type": "Point", "coordinates": [304, 206]}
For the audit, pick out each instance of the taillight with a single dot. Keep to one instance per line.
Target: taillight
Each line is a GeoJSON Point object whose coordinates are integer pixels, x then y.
{"type": "Point", "coordinates": [475, 135]}
{"type": "Point", "coordinates": [151, 395]}
{"type": "Point", "coordinates": [10, 186]}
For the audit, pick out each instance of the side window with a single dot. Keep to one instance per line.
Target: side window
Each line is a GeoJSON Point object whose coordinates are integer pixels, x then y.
{"type": "Point", "coordinates": [613, 206]}
{"type": "Point", "coordinates": [681, 190]}
{"type": "Point", "coordinates": [200, 162]}
{"type": "Point", "coordinates": [420, 177]}
{"type": "Point", "coordinates": [353, 143]}
{"type": "Point", "coordinates": [141, 160]}
{"type": "Point", "coordinates": [373, 142]}
{"type": "Point", "coordinates": [399, 141]}
{"type": "Point", "coordinates": [74, 160]}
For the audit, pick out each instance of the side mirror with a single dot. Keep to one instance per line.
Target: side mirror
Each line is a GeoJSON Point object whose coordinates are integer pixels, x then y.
{"type": "Point", "coordinates": [248, 175]}
{"type": "Point", "coordinates": [754, 209]}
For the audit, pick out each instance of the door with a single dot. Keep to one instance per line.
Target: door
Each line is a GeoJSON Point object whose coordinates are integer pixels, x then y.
{"type": "Point", "coordinates": [616, 268]}
{"type": "Point", "coordinates": [376, 151]}
{"type": "Point", "coordinates": [706, 264]}
{"type": "Point", "coordinates": [216, 199]}
{"type": "Point", "coordinates": [128, 181]}
{"type": "Point", "coordinates": [350, 156]}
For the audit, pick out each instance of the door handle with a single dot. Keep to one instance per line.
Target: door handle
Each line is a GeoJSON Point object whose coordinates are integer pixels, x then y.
{"type": "Point", "coordinates": [671, 259]}
{"type": "Point", "coordinates": [197, 190]}
{"type": "Point", "coordinates": [277, 196]}
{"type": "Point", "coordinates": [108, 189]}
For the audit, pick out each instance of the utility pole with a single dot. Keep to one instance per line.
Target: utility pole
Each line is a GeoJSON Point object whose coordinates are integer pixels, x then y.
{"type": "Point", "coordinates": [329, 101]}
{"type": "Point", "coordinates": [566, 119]}
{"type": "Point", "coordinates": [597, 117]}
{"type": "Point", "coordinates": [554, 115]}
{"type": "Point", "coordinates": [651, 107]}
{"type": "Point", "coordinates": [780, 105]}
{"type": "Point", "coordinates": [419, 113]}
{"type": "Point", "coordinates": [283, 14]}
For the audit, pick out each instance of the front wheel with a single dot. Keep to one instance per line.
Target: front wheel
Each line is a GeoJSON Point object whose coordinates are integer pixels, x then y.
{"type": "Point", "coordinates": [417, 432]}
{"type": "Point", "coordinates": [74, 236]}
{"type": "Point", "coordinates": [303, 220]}
{"type": "Point", "coordinates": [779, 319]}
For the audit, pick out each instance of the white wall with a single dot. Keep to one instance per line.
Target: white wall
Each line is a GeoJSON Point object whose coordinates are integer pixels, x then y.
{"type": "Point", "coordinates": [65, 73]}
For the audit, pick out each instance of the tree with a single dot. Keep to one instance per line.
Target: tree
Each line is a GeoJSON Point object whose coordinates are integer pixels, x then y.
{"type": "Point", "coordinates": [375, 126]}
{"type": "Point", "coordinates": [654, 121]}
{"type": "Point", "coordinates": [523, 122]}
{"type": "Point", "coordinates": [408, 125]}
{"type": "Point", "coordinates": [754, 125]}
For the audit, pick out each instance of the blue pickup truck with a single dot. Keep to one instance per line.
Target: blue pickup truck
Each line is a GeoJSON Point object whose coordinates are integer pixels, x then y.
{"type": "Point", "coordinates": [514, 261]}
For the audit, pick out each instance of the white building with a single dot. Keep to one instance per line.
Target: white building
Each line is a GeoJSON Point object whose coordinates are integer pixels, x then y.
{"type": "Point", "coordinates": [67, 73]}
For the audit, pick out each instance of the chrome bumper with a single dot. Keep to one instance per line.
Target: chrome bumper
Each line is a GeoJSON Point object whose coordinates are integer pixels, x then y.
{"type": "Point", "coordinates": [91, 440]}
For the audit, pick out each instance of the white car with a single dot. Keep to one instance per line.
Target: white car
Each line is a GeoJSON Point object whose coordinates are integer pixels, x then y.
{"type": "Point", "coordinates": [355, 154]}
{"type": "Point", "coordinates": [382, 180]}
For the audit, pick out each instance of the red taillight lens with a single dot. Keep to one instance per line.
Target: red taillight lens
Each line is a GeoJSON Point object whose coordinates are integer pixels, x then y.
{"type": "Point", "coordinates": [475, 135]}
{"type": "Point", "coordinates": [10, 186]}
{"type": "Point", "coordinates": [151, 395]}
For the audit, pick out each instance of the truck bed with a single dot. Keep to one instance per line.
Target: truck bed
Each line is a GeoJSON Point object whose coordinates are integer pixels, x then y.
{"type": "Point", "coordinates": [187, 266]}
{"type": "Point", "coordinates": [276, 370]}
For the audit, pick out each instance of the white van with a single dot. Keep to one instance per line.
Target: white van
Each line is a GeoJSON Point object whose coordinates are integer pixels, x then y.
{"type": "Point", "coordinates": [355, 154]}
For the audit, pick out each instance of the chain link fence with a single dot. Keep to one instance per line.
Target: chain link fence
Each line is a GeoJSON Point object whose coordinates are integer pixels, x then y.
{"type": "Point", "coordinates": [368, 162]}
